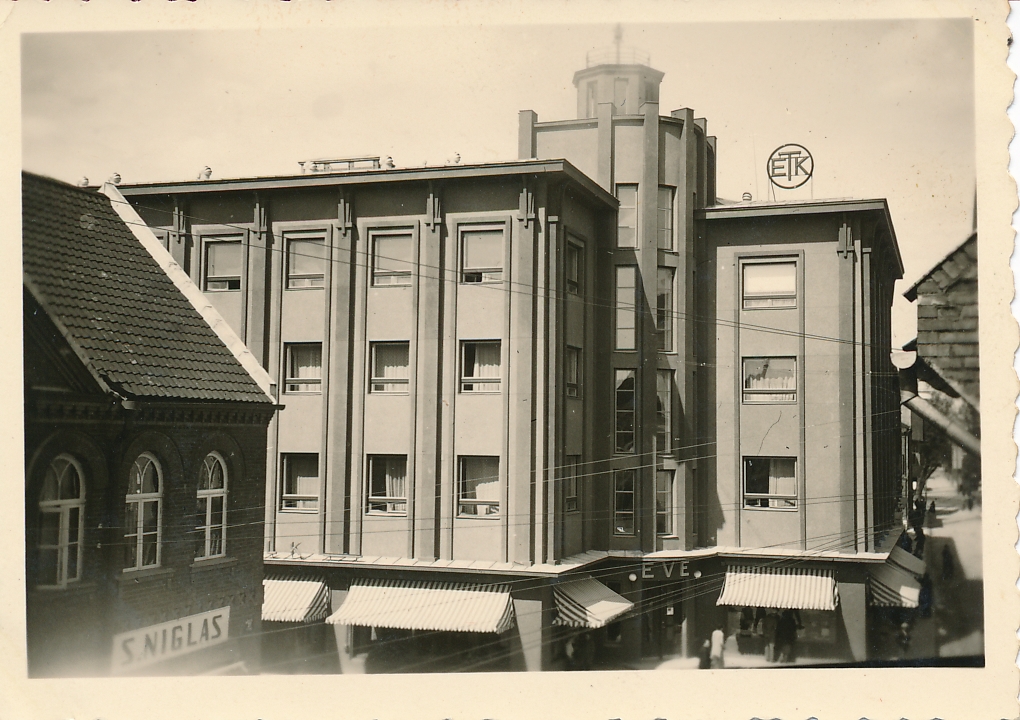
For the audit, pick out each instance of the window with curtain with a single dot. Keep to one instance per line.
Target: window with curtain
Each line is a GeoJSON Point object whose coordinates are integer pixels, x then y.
{"type": "Point", "coordinates": [572, 371]}
{"type": "Point", "coordinates": [770, 379]}
{"type": "Point", "coordinates": [212, 507]}
{"type": "Point", "coordinates": [223, 260]}
{"type": "Point", "coordinates": [61, 523]}
{"type": "Point", "coordinates": [625, 411]}
{"type": "Point", "coordinates": [478, 493]}
{"type": "Point", "coordinates": [143, 514]}
{"type": "Point", "coordinates": [389, 367]}
{"type": "Point", "coordinates": [665, 314]}
{"type": "Point", "coordinates": [573, 260]}
{"type": "Point", "coordinates": [392, 258]}
{"type": "Point", "coordinates": [623, 502]}
{"type": "Point", "coordinates": [664, 502]}
{"type": "Point", "coordinates": [769, 285]}
{"type": "Point", "coordinates": [626, 307]}
{"type": "Point", "coordinates": [571, 480]}
{"type": "Point", "coordinates": [387, 485]}
{"type": "Point", "coordinates": [306, 259]}
{"type": "Point", "coordinates": [770, 482]}
{"type": "Point", "coordinates": [304, 368]}
{"type": "Point", "coordinates": [664, 411]}
{"type": "Point", "coordinates": [300, 487]}
{"type": "Point", "coordinates": [664, 218]}
{"type": "Point", "coordinates": [481, 255]}
{"type": "Point", "coordinates": [480, 366]}
{"type": "Point", "coordinates": [627, 218]}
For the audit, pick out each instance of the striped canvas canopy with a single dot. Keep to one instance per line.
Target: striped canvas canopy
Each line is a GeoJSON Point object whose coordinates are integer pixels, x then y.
{"type": "Point", "coordinates": [416, 605]}
{"type": "Point", "coordinates": [782, 588]}
{"type": "Point", "coordinates": [892, 586]}
{"type": "Point", "coordinates": [585, 602]}
{"type": "Point", "coordinates": [912, 564]}
{"type": "Point", "coordinates": [289, 598]}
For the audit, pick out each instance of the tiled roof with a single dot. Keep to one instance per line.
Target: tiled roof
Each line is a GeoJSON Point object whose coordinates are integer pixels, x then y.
{"type": "Point", "coordinates": [129, 321]}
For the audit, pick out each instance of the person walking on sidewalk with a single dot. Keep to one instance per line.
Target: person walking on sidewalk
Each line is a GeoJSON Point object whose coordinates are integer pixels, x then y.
{"type": "Point", "coordinates": [716, 654]}
{"type": "Point", "coordinates": [947, 563]}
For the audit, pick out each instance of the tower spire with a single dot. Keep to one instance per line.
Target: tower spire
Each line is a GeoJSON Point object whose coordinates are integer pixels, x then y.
{"type": "Point", "coordinates": [617, 39]}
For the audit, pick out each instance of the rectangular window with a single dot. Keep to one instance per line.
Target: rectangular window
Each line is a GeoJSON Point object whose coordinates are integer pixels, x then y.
{"type": "Point", "coordinates": [623, 502]}
{"type": "Point", "coordinates": [664, 222]}
{"type": "Point", "coordinates": [392, 258]}
{"type": "Point", "coordinates": [626, 307]}
{"type": "Point", "coordinates": [572, 371]}
{"type": "Point", "coordinates": [664, 502]}
{"type": "Point", "coordinates": [573, 260]}
{"type": "Point", "coordinates": [664, 411]}
{"type": "Point", "coordinates": [479, 489]}
{"type": "Point", "coordinates": [481, 255]}
{"type": "Point", "coordinates": [306, 259]}
{"type": "Point", "coordinates": [625, 410]}
{"type": "Point", "coordinates": [770, 483]}
{"type": "Point", "coordinates": [665, 313]}
{"type": "Point", "coordinates": [571, 478]}
{"type": "Point", "coordinates": [300, 481]}
{"type": "Point", "coordinates": [627, 223]}
{"type": "Point", "coordinates": [769, 285]}
{"type": "Point", "coordinates": [389, 367]}
{"type": "Point", "coordinates": [479, 366]}
{"type": "Point", "coordinates": [770, 380]}
{"type": "Point", "coordinates": [223, 260]}
{"type": "Point", "coordinates": [387, 485]}
{"type": "Point", "coordinates": [591, 104]}
{"type": "Point", "coordinates": [304, 367]}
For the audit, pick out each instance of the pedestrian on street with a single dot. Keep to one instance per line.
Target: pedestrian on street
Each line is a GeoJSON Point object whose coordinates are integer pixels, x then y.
{"type": "Point", "coordinates": [786, 637]}
{"type": "Point", "coordinates": [947, 563]}
{"type": "Point", "coordinates": [919, 542]}
{"type": "Point", "coordinates": [705, 655]}
{"type": "Point", "coordinates": [716, 654]}
{"type": "Point", "coordinates": [769, 625]}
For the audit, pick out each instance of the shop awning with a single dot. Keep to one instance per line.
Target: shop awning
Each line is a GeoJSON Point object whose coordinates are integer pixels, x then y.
{"type": "Point", "coordinates": [410, 605]}
{"type": "Point", "coordinates": [585, 602]}
{"type": "Point", "coordinates": [892, 586]}
{"type": "Point", "coordinates": [782, 588]}
{"type": "Point", "coordinates": [913, 565]}
{"type": "Point", "coordinates": [292, 598]}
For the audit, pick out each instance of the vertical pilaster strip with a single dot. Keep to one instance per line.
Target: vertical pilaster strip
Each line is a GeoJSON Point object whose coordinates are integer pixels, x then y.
{"type": "Point", "coordinates": [684, 224]}
{"type": "Point", "coordinates": [179, 236]}
{"type": "Point", "coordinates": [553, 330]}
{"type": "Point", "coordinates": [428, 382]}
{"type": "Point", "coordinates": [519, 356]}
{"type": "Point", "coordinates": [526, 149]}
{"type": "Point", "coordinates": [648, 343]}
{"type": "Point", "coordinates": [605, 146]}
{"type": "Point", "coordinates": [867, 406]}
{"type": "Point", "coordinates": [257, 291]}
{"type": "Point", "coordinates": [847, 352]}
{"type": "Point", "coordinates": [448, 361]}
{"type": "Point", "coordinates": [337, 394]}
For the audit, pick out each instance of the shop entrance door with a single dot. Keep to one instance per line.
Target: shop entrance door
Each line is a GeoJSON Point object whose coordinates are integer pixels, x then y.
{"type": "Point", "coordinates": [661, 621]}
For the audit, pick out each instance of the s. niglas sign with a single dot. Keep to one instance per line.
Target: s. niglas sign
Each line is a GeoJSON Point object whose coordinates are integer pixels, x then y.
{"type": "Point", "coordinates": [156, 643]}
{"type": "Point", "coordinates": [790, 166]}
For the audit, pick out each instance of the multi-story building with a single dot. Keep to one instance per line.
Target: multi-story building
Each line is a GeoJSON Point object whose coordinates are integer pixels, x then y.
{"type": "Point", "coordinates": [145, 451]}
{"type": "Point", "coordinates": [571, 404]}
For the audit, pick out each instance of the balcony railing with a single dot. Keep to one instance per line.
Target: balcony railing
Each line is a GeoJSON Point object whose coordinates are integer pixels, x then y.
{"type": "Point", "coordinates": [616, 56]}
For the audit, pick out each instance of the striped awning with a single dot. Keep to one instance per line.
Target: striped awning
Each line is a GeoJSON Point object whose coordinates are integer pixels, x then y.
{"type": "Point", "coordinates": [411, 605]}
{"type": "Point", "coordinates": [287, 597]}
{"type": "Point", "coordinates": [585, 602]}
{"type": "Point", "coordinates": [912, 564]}
{"type": "Point", "coordinates": [783, 588]}
{"type": "Point", "coordinates": [892, 586]}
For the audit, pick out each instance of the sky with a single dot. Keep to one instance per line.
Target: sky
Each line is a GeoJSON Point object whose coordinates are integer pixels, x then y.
{"type": "Point", "coordinates": [884, 106]}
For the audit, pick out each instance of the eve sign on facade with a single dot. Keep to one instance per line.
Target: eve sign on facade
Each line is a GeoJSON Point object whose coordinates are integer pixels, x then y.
{"type": "Point", "coordinates": [155, 643]}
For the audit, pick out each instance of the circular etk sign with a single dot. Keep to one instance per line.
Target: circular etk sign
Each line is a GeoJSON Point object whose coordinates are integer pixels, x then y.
{"type": "Point", "coordinates": [790, 166]}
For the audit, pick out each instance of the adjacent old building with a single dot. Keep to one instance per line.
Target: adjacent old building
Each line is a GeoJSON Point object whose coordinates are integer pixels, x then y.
{"type": "Point", "coordinates": [145, 447]}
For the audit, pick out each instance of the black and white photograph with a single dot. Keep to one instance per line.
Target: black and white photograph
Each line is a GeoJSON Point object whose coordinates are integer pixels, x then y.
{"type": "Point", "coordinates": [569, 351]}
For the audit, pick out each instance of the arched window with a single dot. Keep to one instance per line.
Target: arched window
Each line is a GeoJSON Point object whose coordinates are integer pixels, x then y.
{"type": "Point", "coordinates": [212, 507]}
{"type": "Point", "coordinates": [61, 526]}
{"type": "Point", "coordinates": [143, 519]}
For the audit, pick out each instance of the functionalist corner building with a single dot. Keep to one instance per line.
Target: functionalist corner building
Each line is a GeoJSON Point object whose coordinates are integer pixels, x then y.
{"type": "Point", "coordinates": [567, 410]}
